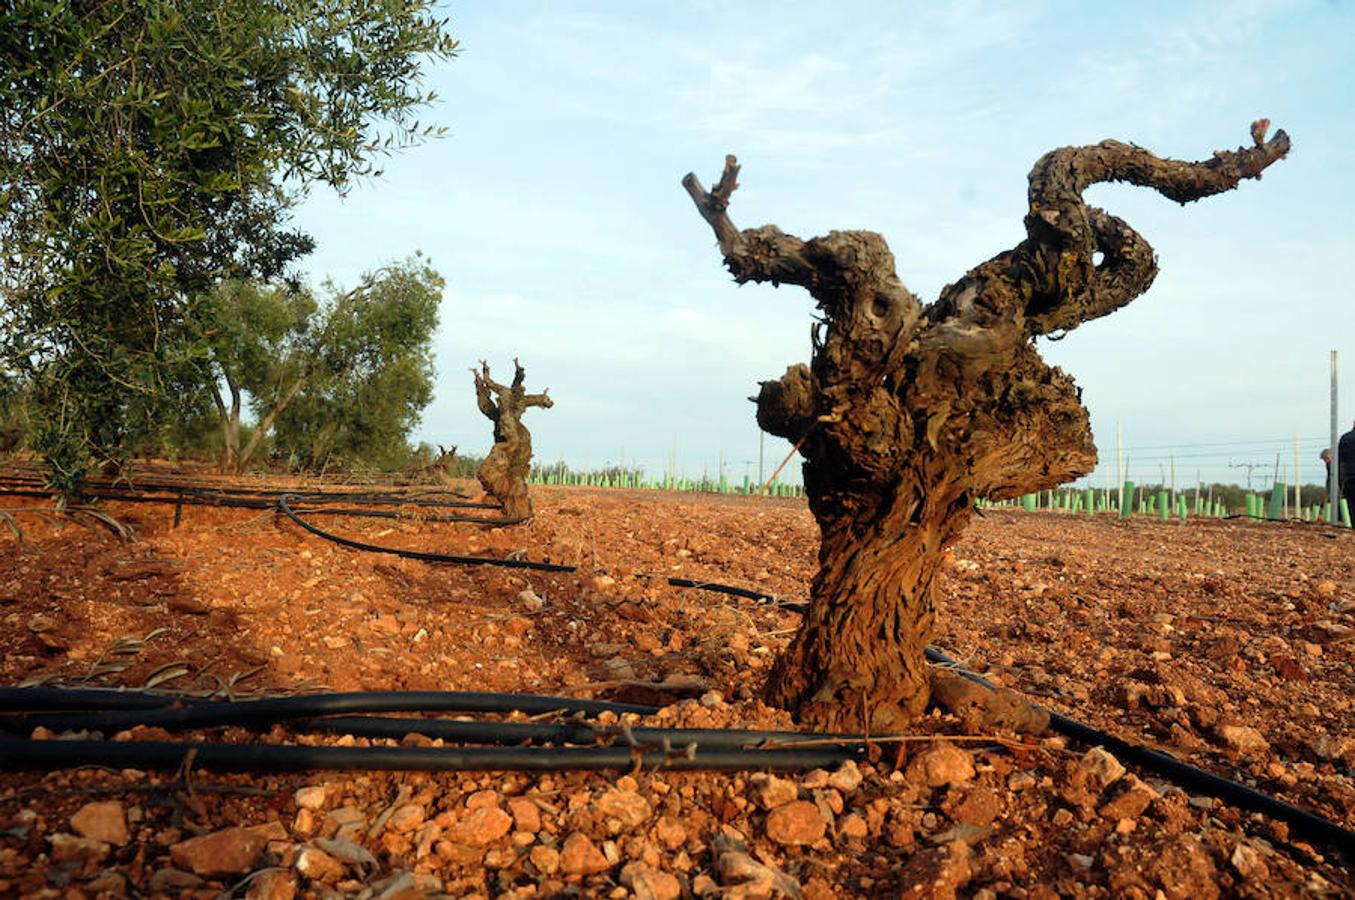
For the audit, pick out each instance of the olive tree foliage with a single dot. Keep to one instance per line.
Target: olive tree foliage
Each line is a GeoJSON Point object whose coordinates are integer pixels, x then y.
{"type": "Point", "coordinates": [147, 151]}
{"type": "Point", "coordinates": [15, 411]}
{"type": "Point", "coordinates": [341, 379]}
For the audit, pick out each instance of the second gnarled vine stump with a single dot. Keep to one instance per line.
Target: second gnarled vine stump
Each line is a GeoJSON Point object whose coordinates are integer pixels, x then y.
{"type": "Point", "coordinates": [908, 413]}
{"type": "Point", "coordinates": [504, 472]}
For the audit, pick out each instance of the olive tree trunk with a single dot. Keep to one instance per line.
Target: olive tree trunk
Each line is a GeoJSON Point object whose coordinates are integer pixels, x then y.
{"type": "Point", "coordinates": [504, 472]}
{"type": "Point", "coordinates": [908, 413]}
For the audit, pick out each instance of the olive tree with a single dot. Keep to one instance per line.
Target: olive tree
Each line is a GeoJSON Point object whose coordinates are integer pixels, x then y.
{"type": "Point", "coordinates": [150, 149]}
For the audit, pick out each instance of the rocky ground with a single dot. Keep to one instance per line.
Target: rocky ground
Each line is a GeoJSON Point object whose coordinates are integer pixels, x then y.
{"type": "Point", "coordinates": [1226, 643]}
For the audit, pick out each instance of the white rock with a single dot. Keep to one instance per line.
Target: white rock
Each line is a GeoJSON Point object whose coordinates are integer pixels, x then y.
{"type": "Point", "coordinates": [1102, 766]}
{"type": "Point", "coordinates": [311, 797]}
{"type": "Point", "coordinates": [1242, 738]}
{"type": "Point", "coordinates": [529, 601]}
{"type": "Point", "coordinates": [847, 778]}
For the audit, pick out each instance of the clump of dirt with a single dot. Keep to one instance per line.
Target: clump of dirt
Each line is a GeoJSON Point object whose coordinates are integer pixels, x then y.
{"type": "Point", "coordinates": [1226, 644]}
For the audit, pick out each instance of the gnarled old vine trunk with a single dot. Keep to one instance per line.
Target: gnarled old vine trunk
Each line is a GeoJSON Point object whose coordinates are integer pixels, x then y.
{"type": "Point", "coordinates": [504, 472]}
{"type": "Point", "coordinates": [908, 413]}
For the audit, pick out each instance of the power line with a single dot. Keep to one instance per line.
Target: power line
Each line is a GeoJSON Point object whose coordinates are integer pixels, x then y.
{"type": "Point", "coordinates": [1287, 441]}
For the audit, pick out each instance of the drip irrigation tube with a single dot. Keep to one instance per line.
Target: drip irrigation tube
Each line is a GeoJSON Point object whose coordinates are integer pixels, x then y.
{"type": "Point", "coordinates": [311, 507]}
{"type": "Point", "coordinates": [418, 494]}
{"type": "Point", "coordinates": [396, 514]}
{"type": "Point", "coordinates": [714, 587]}
{"type": "Point", "coordinates": [41, 699]}
{"type": "Point", "coordinates": [283, 505]}
{"type": "Point", "coordinates": [211, 714]}
{"type": "Point", "coordinates": [134, 708]}
{"type": "Point", "coordinates": [323, 498]}
{"type": "Point", "coordinates": [717, 588]}
{"type": "Point", "coordinates": [415, 498]}
{"type": "Point", "coordinates": [1184, 774]}
{"type": "Point", "coordinates": [574, 733]}
{"type": "Point", "coordinates": [121, 709]}
{"type": "Point", "coordinates": [19, 753]}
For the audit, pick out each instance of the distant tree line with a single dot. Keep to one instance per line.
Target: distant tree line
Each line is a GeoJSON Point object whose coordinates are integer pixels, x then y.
{"type": "Point", "coordinates": [333, 378]}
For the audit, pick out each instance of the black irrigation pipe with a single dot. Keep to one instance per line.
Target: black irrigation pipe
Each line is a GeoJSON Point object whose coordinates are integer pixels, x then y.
{"type": "Point", "coordinates": [1184, 774]}
{"type": "Point", "coordinates": [261, 503]}
{"type": "Point", "coordinates": [318, 499]}
{"type": "Point", "coordinates": [395, 514]}
{"type": "Point", "coordinates": [714, 587]}
{"type": "Point", "coordinates": [393, 500]}
{"type": "Point", "coordinates": [210, 498]}
{"type": "Point", "coordinates": [241, 502]}
{"type": "Point", "coordinates": [171, 714]}
{"type": "Point", "coordinates": [717, 588]}
{"type": "Point", "coordinates": [373, 498]}
{"type": "Point", "coordinates": [115, 490]}
{"type": "Point", "coordinates": [39, 699]}
{"type": "Point", "coordinates": [221, 756]}
{"type": "Point", "coordinates": [510, 733]}
{"type": "Point", "coordinates": [19, 753]}
{"type": "Point", "coordinates": [419, 494]}
{"type": "Point", "coordinates": [283, 505]}
{"type": "Point", "coordinates": [104, 709]}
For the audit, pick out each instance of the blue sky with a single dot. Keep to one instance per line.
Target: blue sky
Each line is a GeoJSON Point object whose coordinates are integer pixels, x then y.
{"type": "Point", "coordinates": [553, 207]}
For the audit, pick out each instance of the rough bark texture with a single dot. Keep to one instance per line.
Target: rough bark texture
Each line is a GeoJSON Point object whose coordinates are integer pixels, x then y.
{"type": "Point", "coordinates": [266, 423]}
{"type": "Point", "coordinates": [504, 471]}
{"type": "Point", "coordinates": [230, 426]}
{"type": "Point", "coordinates": [909, 413]}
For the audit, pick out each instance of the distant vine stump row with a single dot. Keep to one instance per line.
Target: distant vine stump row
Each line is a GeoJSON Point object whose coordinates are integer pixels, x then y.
{"type": "Point", "coordinates": [504, 471]}
{"type": "Point", "coordinates": [909, 413]}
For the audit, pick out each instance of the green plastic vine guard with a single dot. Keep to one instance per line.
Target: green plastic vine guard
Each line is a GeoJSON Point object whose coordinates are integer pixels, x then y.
{"type": "Point", "coordinates": [1127, 504]}
{"type": "Point", "coordinates": [1276, 508]}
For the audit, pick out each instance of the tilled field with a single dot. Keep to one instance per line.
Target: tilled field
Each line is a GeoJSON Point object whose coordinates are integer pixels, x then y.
{"type": "Point", "coordinates": [1225, 643]}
